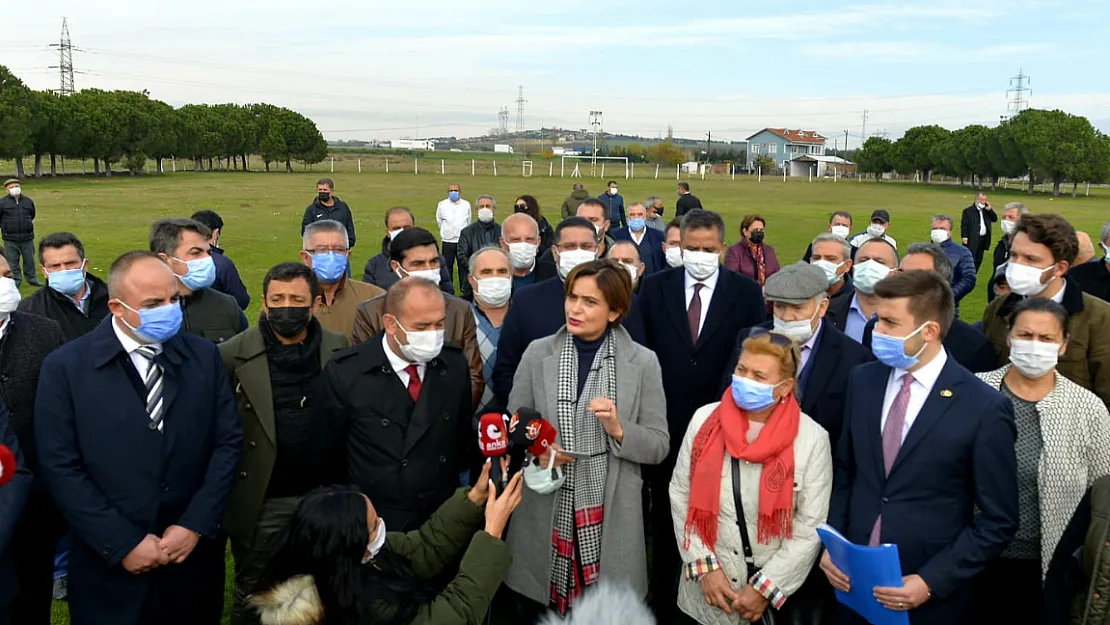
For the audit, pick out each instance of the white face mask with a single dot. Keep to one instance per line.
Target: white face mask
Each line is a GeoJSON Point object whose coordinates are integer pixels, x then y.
{"type": "Point", "coordinates": [876, 230]}
{"type": "Point", "coordinates": [522, 254]}
{"type": "Point", "coordinates": [1008, 227]}
{"type": "Point", "coordinates": [485, 215]}
{"type": "Point", "coordinates": [840, 231]}
{"type": "Point", "coordinates": [422, 346]}
{"type": "Point", "coordinates": [495, 291]}
{"type": "Point", "coordinates": [798, 331]}
{"type": "Point", "coordinates": [393, 233]}
{"type": "Point", "coordinates": [829, 269]}
{"type": "Point", "coordinates": [374, 548]}
{"type": "Point", "coordinates": [700, 265]}
{"type": "Point", "coordinates": [612, 190]}
{"type": "Point", "coordinates": [431, 275]}
{"type": "Point", "coordinates": [673, 256]}
{"type": "Point", "coordinates": [939, 235]}
{"type": "Point", "coordinates": [544, 480]}
{"type": "Point", "coordinates": [9, 297]}
{"type": "Point", "coordinates": [633, 271]}
{"type": "Point", "coordinates": [570, 259]}
{"type": "Point", "coordinates": [1034, 359]}
{"type": "Point", "coordinates": [1026, 280]}
{"type": "Point", "coordinates": [868, 274]}
{"type": "Point", "coordinates": [14, 191]}
{"type": "Point", "coordinates": [980, 205]}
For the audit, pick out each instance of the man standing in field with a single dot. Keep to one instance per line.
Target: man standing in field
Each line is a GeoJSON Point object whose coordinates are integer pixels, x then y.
{"type": "Point", "coordinates": [328, 206]}
{"type": "Point", "coordinates": [17, 217]}
{"type": "Point", "coordinates": [975, 227]}
{"type": "Point", "coordinates": [452, 215]}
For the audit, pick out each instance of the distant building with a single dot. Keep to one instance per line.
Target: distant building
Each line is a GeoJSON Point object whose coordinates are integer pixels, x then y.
{"type": "Point", "coordinates": [413, 144]}
{"type": "Point", "coordinates": [783, 145]}
{"type": "Point", "coordinates": [819, 166]}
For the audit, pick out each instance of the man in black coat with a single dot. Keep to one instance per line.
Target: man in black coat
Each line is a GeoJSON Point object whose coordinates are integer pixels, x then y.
{"type": "Point", "coordinates": [1094, 276]}
{"type": "Point", "coordinates": [228, 280]}
{"type": "Point", "coordinates": [25, 342]}
{"type": "Point", "coordinates": [76, 299]}
{"type": "Point", "coordinates": [378, 270]}
{"type": "Point", "coordinates": [1011, 214]}
{"type": "Point", "coordinates": [483, 232]}
{"type": "Point", "coordinates": [691, 316]}
{"type": "Point", "coordinates": [17, 223]}
{"type": "Point", "coordinates": [328, 206]}
{"type": "Point", "coordinates": [139, 441]}
{"type": "Point", "coordinates": [13, 496]}
{"type": "Point", "coordinates": [686, 201]}
{"type": "Point", "coordinates": [403, 403]}
{"type": "Point", "coordinates": [975, 227]}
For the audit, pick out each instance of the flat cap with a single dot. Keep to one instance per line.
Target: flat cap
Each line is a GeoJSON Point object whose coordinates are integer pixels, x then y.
{"type": "Point", "coordinates": [796, 284]}
{"type": "Point", "coordinates": [11, 181]}
{"type": "Point", "coordinates": [881, 215]}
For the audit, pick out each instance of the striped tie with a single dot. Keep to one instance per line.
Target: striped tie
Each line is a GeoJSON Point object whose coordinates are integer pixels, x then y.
{"type": "Point", "coordinates": [153, 382]}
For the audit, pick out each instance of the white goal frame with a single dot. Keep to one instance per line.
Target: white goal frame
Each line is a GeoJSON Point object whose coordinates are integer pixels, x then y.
{"type": "Point", "coordinates": [592, 159]}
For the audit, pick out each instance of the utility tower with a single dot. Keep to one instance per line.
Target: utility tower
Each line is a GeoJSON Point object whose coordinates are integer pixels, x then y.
{"type": "Point", "coordinates": [1018, 93]}
{"type": "Point", "coordinates": [503, 121]}
{"type": "Point", "coordinates": [520, 109]}
{"type": "Point", "coordinates": [65, 61]}
{"type": "Point", "coordinates": [595, 121]}
{"type": "Point", "coordinates": [864, 129]}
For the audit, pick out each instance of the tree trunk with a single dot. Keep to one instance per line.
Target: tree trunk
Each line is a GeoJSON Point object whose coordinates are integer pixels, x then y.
{"type": "Point", "coordinates": [288, 166]}
{"type": "Point", "coordinates": [994, 182]}
{"type": "Point", "coordinates": [1074, 186]}
{"type": "Point", "coordinates": [107, 167]}
{"type": "Point", "coordinates": [19, 167]}
{"type": "Point", "coordinates": [1032, 182]}
{"type": "Point", "coordinates": [53, 164]}
{"type": "Point", "coordinates": [161, 170]}
{"type": "Point", "coordinates": [210, 164]}
{"type": "Point", "coordinates": [1055, 186]}
{"type": "Point", "coordinates": [245, 166]}
{"type": "Point", "coordinates": [925, 175]}
{"type": "Point", "coordinates": [96, 166]}
{"type": "Point", "coordinates": [38, 166]}
{"type": "Point", "coordinates": [267, 165]}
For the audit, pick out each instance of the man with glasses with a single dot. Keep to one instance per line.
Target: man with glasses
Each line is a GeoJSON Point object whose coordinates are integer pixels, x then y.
{"type": "Point", "coordinates": [592, 211]}
{"type": "Point", "coordinates": [537, 310]}
{"type": "Point", "coordinates": [325, 249]}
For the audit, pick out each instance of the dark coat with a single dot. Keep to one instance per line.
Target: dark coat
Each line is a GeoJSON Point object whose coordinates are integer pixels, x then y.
{"type": "Point", "coordinates": [28, 340]}
{"type": "Point", "coordinates": [969, 227]}
{"type": "Point", "coordinates": [570, 204]}
{"type": "Point", "coordinates": [215, 316]}
{"type": "Point", "coordinates": [338, 212]}
{"type": "Point", "coordinates": [536, 312]}
{"type": "Point", "coordinates": [115, 479]}
{"type": "Point", "coordinates": [963, 270]}
{"type": "Point", "coordinates": [228, 280]}
{"type": "Point", "coordinates": [1093, 278]}
{"type": "Point", "coordinates": [685, 204]}
{"type": "Point", "coordinates": [378, 273]}
{"type": "Point", "coordinates": [692, 372]}
{"type": "Point", "coordinates": [406, 458]}
{"type": "Point", "coordinates": [74, 323]}
{"type": "Point", "coordinates": [473, 238]}
{"type": "Point", "coordinates": [965, 344]}
{"type": "Point", "coordinates": [739, 259]}
{"type": "Point", "coordinates": [1076, 588]}
{"type": "Point", "coordinates": [651, 248]}
{"type": "Point", "coordinates": [614, 209]}
{"type": "Point", "coordinates": [244, 358]}
{"type": "Point", "coordinates": [826, 382]}
{"type": "Point", "coordinates": [950, 501]}
{"type": "Point", "coordinates": [1001, 255]}
{"type": "Point", "coordinates": [13, 496]}
{"type": "Point", "coordinates": [17, 218]}
{"type": "Point", "coordinates": [547, 237]}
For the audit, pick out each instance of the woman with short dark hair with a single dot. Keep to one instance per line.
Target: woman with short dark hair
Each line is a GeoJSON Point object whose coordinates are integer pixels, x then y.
{"type": "Point", "coordinates": [752, 257]}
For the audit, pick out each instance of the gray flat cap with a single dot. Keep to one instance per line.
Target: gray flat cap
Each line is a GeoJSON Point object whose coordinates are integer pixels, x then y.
{"type": "Point", "coordinates": [796, 284]}
{"type": "Point", "coordinates": [11, 181]}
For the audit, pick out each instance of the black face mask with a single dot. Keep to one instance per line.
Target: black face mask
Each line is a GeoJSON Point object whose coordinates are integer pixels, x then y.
{"type": "Point", "coordinates": [756, 237]}
{"type": "Point", "coordinates": [289, 321]}
{"type": "Point", "coordinates": [522, 208]}
{"type": "Point", "coordinates": [324, 196]}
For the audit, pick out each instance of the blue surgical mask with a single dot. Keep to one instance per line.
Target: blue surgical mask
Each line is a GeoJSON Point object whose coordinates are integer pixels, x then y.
{"type": "Point", "coordinates": [637, 224]}
{"type": "Point", "coordinates": [67, 281]}
{"type": "Point", "coordinates": [891, 350]}
{"type": "Point", "coordinates": [453, 196]}
{"type": "Point", "coordinates": [156, 325]}
{"type": "Point", "coordinates": [751, 395]}
{"type": "Point", "coordinates": [201, 274]}
{"type": "Point", "coordinates": [329, 266]}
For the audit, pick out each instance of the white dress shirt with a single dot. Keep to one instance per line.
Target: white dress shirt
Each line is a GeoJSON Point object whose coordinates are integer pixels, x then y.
{"type": "Point", "coordinates": [1059, 297]}
{"type": "Point", "coordinates": [400, 364]}
{"type": "Point", "coordinates": [706, 294]}
{"type": "Point", "coordinates": [130, 346]}
{"type": "Point", "coordinates": [452, 217]}
{"type": "Point", "coordinates": [982, 222]}
{"type": "Point", "coordinates": [637, 237]}
{"type": "Point", "coordinates": [806, 349]}
{"type": "Point", "coordinates": [923, 381]}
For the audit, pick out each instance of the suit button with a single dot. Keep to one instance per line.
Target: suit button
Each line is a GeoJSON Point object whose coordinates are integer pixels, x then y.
{"type": "Point", "coordinates": [165, 489]}
{"type": "Point", "coordinates": [886, 499]}
{"type": "Point", "coordinates": [385, 423]}
{"type": "Point", "coordinates": [252, 444]}
{"type": "Point", "coordinates": [446, 416]}
{"type": "Point", "coordinates": [404, 463]}
{"type": "Point", "coordinates": [242, 475]}
{"type": "Point", "coordinates": [246, 406]}
{"type": "Point", "coordinates": [106, 551]}
{"type": "Point", "coordinates": [735, 581]}
{"type": "Point", "coordinates": [443, 459]}
{"type": "Point", "coordinates": [153, 425]}
{"type": "Point", "coordinates": [693, 363]}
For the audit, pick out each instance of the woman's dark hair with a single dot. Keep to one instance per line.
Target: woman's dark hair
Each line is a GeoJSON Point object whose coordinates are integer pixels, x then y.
{"type": "Point", "coordinates": [1041, 305]}
{"type": "Point", "coordinates": [612, 280]}
{"type": "Point", "coordinates": [533, 209]}
{"type": "Point", "coordinates": [408, 239]}
{"type": "Point", "coordinates": [326, 538]}
{"type": "Point", "coordinates": [748, 220]}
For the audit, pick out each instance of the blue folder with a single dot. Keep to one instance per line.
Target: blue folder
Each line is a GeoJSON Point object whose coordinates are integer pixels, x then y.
{"type": "Point", "coordinates": [866, 567]}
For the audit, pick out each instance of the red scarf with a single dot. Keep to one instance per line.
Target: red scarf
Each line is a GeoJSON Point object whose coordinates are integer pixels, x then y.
{"type": "Point", "coordinates": [727, 428]}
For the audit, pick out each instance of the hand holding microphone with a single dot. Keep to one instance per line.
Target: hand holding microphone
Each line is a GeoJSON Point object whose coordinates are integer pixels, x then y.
{"type": "Point", "coordinates": [493, 442]}
{"type": "Point", "coordinates": [528, 429]}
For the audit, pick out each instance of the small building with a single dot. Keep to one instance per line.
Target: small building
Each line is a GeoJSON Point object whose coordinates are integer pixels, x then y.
{"type": "Point", "coordinates": [783, 145]}
{"type": "Point", "coordinates": [819, 165]}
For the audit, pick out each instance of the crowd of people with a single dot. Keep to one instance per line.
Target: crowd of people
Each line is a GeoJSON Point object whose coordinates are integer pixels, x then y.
{"type": "Point", "coordinates": [711, 407]}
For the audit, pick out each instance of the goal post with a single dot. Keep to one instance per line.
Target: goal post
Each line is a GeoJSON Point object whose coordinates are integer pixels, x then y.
{"type": "Point", "coordinates": [591, 159]}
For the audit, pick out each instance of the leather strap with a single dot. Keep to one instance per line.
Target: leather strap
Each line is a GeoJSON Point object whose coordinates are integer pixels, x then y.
{"type": "Point", "coordinates": [749, 559]}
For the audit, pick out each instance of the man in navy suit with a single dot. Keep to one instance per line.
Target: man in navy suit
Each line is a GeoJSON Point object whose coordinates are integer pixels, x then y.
{"type": "Point", "coordinates": [690, 316]}
{"type": "Point", "coordinates": [537, 310]}
{"type": "Point", "coordinates": [648, 240]}
{"type": "Point", "coordinates": [139, 441]}
{"type": "Point", "coordinates": [926, 460]}
{"type": "Point", "coordinates": [13, 496]}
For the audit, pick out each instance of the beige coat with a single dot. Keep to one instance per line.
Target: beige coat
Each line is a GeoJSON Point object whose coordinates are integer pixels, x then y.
{"type": "Point", "coordinates": [785, 562]}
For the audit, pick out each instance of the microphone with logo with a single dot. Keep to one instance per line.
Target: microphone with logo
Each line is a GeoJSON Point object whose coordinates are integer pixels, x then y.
{"type": "Point", "coordinates": [529, 430]}
{"type": "Point", "coordinates": [7, 465]}
{"type": "Point", "coordinates": [493, 441]}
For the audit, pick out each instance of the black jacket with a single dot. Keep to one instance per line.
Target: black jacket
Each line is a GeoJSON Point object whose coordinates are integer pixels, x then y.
{"type": "Point", "coordinates": [378, 273]}
{"type": "Point", "coordinates": [473, 238]}
{"type": "Point", "coordinates": [51, 304]}
{"type": "Point", "coordinates": [1001, 255]}
{"type": "Point", "coordinates": [967, 346]}
{"type": "Point", "coordinates": [686, 204]}
{"type": "Point", "coordinates": [17, 218]}
{"type": "Point", "coordinates": [28, 339]}
{"type": "Point", "coordinates": [13, 496]}
{"type": "Point", "coordinates": [339, 212]}
{"type": "Point", "coordinates": [407, 458]}
{"type": "Point", "coordinates": [1093, 278]}
{"type": "Point", "coordinates": [215, 316]}
{"type": "Point", "coordinates": [969, 227]}
{"type": "Point", "coordinates": [227, 278]}
{"type": "Point", "coordinates": [547, 237]}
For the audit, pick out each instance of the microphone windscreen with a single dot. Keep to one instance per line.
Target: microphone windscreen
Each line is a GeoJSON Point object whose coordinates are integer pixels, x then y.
{"type": "Point", "coordinates": [7, 465]}
{"type": "Point", "coordinates": [493, 439]}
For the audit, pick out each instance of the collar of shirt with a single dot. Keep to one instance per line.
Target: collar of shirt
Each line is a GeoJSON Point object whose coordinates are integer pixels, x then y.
{"type": "Point", "coordinates": [637, 237]}
{"type": "Point", "coordinates": [130, 344]}
{"type": "Point", "coordinates": [1059, 297]}
{"type": "Point", "coordinates": [927, 375]}
{"type": "Point", "coordinates": [709, 283]}
{"type": "Point", "coordinates": [808, 345]}
{"type": "Point", "coordinates": [4, 326]}
{"type": "Point", "coordinates": [80, 304]}
{"type": "Point", "coordinates": [855, 307]}
{"type": "Point", "coordinates": [400, 364]}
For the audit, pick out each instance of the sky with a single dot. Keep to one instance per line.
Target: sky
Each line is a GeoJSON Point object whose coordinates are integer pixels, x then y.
{"type": "Point", "coordinates": [425, 68]}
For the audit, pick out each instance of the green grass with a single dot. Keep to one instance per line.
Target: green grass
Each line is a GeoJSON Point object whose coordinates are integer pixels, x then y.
{"type": "Point", "coordinates": [262, 212]}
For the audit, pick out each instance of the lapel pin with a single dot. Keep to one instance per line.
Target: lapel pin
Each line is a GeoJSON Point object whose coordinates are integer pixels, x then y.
{"type": "Point", "coordinates": [946, 393]}
{"type": "Point", "coordinates": [303, 400]}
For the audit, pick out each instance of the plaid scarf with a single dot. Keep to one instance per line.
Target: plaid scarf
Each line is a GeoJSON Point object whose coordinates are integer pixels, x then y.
{"type": "Point", "coordinates": [756, 250]}
{"type": "Point", "coordinates": [580, 503]}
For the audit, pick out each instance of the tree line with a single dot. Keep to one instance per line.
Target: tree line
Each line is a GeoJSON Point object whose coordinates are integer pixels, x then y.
{"type": "Point", "coordinates": [1045, 146]}
{"type": "Point", "coordinates": [128, 127]}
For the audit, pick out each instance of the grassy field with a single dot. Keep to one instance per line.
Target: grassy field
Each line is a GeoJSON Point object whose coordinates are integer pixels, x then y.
{"type": "Point", "coordinates": [262, 212]}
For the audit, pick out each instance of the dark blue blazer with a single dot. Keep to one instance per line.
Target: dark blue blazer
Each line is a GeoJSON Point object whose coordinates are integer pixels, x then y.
{"type": "Point", "coordinates": [692, 373]}
{"type": "Point", "coordinates": [950, 501]}
{"type": "Point", "coordinates": [115, 479]}
{"type": "Point", "coordinates": [827, 381]}
{"type": "Point", "coordinates": [12, 497]}
{"type": "Point", "coordinates": [964, 342]}
{"type": "Point", "coordinates": [651, 248]}
{"type": "Point", "coordinates": [228, 280]}
{"type": "Point", "coordinates": [536, 312]}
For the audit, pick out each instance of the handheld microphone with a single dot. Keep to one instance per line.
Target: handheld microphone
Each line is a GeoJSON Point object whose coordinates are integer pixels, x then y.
{"type": "Point", "coordinates": [528, 429]}
{"type": "Point", "coordinates": [493, 442]}
{"type": "Point", "coordinates": [7, 465]}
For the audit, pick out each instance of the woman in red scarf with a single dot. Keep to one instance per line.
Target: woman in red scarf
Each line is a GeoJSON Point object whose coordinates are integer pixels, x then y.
{"type": "Point", "coordinates": [784, 463]}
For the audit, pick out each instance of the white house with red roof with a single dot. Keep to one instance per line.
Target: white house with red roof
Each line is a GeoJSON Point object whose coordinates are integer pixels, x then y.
{"type": "Point", "coordinates": [785, 144]}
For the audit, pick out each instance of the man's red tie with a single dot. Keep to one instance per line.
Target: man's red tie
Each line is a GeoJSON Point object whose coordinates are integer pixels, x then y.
{"type": "Point", "coordinates": [414, 382]}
